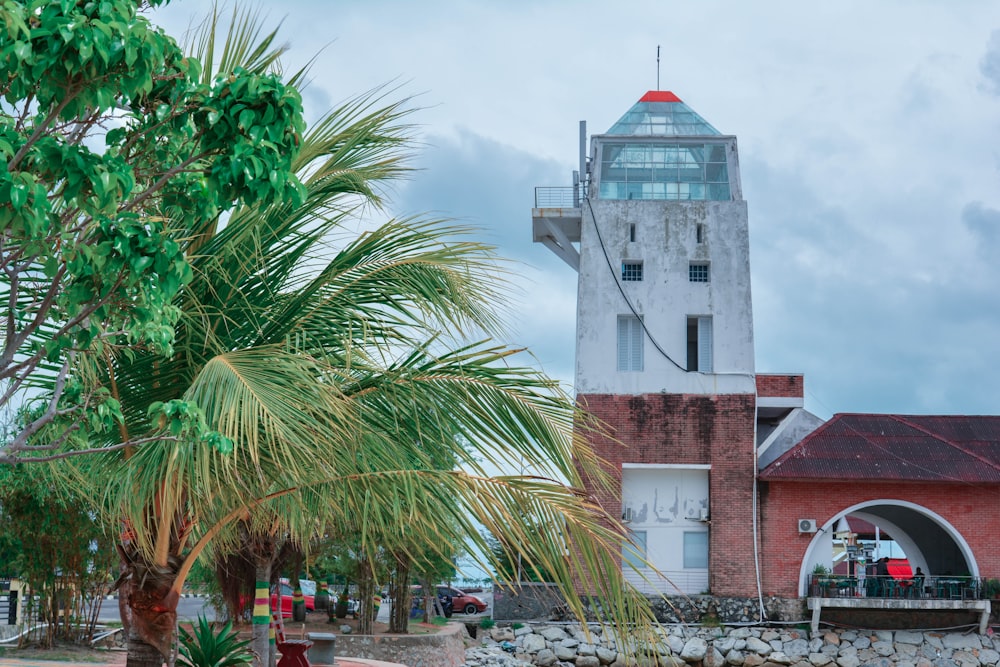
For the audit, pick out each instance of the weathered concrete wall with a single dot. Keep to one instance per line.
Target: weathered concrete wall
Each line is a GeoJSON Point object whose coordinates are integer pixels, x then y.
{"type": "Point", "coordinates": [666, 242]}
{"type": "Point", "coordinates": [444, 649]}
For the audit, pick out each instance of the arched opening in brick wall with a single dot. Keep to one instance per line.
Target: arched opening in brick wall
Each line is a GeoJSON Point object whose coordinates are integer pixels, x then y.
{"type": "Point", "coordinates": [925, 539]}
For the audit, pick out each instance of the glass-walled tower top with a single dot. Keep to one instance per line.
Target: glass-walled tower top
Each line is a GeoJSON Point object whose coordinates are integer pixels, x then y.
{"type": "Point", "coordinates": [662, 150]}
{"type": "Point", "coordinates": [663, 114]}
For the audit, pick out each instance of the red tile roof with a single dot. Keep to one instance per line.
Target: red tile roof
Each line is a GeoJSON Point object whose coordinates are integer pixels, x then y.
{"type": "Point", "coordinates": [912, 448]}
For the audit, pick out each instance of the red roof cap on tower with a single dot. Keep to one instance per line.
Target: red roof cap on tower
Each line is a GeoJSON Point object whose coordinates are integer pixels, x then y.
{"type": "Point", "coordinates": [659, 96]}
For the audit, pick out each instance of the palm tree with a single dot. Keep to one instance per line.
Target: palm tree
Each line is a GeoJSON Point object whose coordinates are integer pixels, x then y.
{"type": "Point", "coordinates": [336, 372]}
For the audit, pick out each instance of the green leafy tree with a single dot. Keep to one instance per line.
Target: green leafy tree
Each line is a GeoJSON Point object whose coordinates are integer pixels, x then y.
{"type": "Point", "coordinates": [113, 150]}
{"type": "Point", "coordinates": [58, 547]}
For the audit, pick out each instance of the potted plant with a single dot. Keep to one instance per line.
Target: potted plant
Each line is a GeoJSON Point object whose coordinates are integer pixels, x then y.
{"type": "Point", "coordinates": [341, 606]}
{"type": "Point", "coordinates": [820, 580]}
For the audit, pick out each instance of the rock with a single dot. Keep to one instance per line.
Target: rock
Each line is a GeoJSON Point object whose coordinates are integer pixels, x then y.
{"type": "Point", "coordinates": [832, 638]}
{"type": "Point", "coordinates": [757, 646]}
{"type": "Point", "coordinates": [552, 633]}
{"type": "Point", "coordinates": [989, 657]}
{"type": "Point", "coordinates": [956, 641]}
{"type": "Point", "coordinates": [694, 650]}
{"type": "Point", "coordinates": [965, 659]}
{"type": "Point", "coordinates": [753, 660]}
{"type": "Point", "coordinates": [532, 643]}
{"type": "Point", "coordinates": [568, 642]}
{"type": "Point", "coordinates": [796, 648]}
{"type": "Point", "coordinates": [586, 649]}
{"type": "Point", "coordinates": [725, 644]}
{"type": "Point", "coordinates": [909, 637]}
{"type": "Point", "coordinates": [523, 630]}
{"type": "Point", "coordinates": [861, 643]}
{"type": "Point", "coordinates": [714, 658]}
{"type": "Point", "coordinates": [545, 658]}
{"type": "Point", "coordinates": [734, 657]}
{"type": "Point", "coordinates": [882, 648]}
{"type": "Point", "coordinates": [849, 660]}
{"type": "Point", "coordinates": [564, 652]}
{"type": "Point", "coordinates": [502, 634]}
{"type": "Point", "coordinates": [820, 659]}
{"type": "Point", "coordinates": [605, 655]}
{"type": "Point", "coordinates": [588, 661]}
{"type": "Point", "coordinates": [779, 658]}
{"type": "Point", "coordinates": [345, 629]}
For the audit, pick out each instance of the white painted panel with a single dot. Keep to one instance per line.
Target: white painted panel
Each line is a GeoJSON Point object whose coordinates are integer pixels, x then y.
{"type": "Point", "coordinates": [665, 503]}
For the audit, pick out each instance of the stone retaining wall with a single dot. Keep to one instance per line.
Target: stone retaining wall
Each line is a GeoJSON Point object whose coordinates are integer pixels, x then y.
{"type": "Point", "coordinates": [444, 649]}
{"type": "Point", "coordinates": [566, 645]}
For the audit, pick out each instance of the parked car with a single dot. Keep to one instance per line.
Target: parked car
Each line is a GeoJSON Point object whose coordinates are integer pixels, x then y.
{"type": "Point", "coordinates": [286, 593]}
{"type": "Point", "coordinates": [461, 602]}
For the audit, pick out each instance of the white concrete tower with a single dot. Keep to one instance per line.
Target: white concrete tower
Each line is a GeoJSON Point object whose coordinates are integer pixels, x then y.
{"type": "Point", "coordinates": [665, 351]}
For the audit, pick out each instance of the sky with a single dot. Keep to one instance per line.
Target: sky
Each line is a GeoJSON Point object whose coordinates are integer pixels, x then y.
{"type": "Point", "coordinates": [869, 141]}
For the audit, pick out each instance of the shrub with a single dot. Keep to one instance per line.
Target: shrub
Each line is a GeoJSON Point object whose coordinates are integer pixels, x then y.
{"type": "Point", "coordinates": [486, 623]}
{"type": "Point", "coordinates": [204, 648]}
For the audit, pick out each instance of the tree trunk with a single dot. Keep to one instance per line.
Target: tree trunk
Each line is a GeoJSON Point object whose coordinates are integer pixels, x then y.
{"type": "Point", "coordinates": [141, 654]}
{"type": "Point", "coordinates": [366, 593]}
{"type": "Point", "coordinates": [400, 617]}
{"type": "Point", "coordinates": [260, 639]}
{"type": "Point", "coordinates": [154, 626]}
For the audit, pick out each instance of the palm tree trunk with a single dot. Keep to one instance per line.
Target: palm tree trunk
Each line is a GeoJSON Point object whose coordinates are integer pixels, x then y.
{"type": "Point", "coordinates": [261, 640]}
{"type": "Point", "coordinates": [154, 622]}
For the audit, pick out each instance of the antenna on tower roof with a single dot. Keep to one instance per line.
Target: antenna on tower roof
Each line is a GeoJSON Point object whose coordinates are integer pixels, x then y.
{"type": "Point", "coordinates": [657, 66]}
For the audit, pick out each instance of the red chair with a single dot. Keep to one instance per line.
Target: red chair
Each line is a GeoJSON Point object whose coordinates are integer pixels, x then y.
{"type": "Point", "coordinates": [293, 651]}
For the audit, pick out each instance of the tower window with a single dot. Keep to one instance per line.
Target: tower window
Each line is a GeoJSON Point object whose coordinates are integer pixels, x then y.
{"type": "Point", "coordinates": [634, 554]}
{"type": "Point", "coordinates": [698, 272]}
{"type": "Point", "coordinates": [631, 270]}
{"type": "Point", "coordinates": [695, 550]}
{"type": "Point", "coordinates": [630, 336]}
{"type": "Point", "coordinates": [699, 233]}
{"type": "Point", "coordinates": [699, 344]}
{"type": "Point", "coordinates": [631, 232]}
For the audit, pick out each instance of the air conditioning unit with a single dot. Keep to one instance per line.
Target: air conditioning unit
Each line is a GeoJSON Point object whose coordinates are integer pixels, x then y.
{"type": "Point", "coordinates": [626, 515]}
{"type": "Point", "coordinates": [703, 514]}
{"type": "Point", "coordinates": [807, 526]}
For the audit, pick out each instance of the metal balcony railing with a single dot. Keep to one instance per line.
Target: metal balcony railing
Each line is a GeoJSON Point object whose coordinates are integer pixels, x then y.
{"type": "Point", "coordinates": [941, 588]}
{"type": "Point", "coordinates": [563, 197]}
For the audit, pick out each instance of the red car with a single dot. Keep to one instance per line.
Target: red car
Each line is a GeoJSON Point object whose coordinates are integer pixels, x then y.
{"type": "Point", "coordinates": [286, 600]}
{"type": "Point", "coordinates": [462, 602]}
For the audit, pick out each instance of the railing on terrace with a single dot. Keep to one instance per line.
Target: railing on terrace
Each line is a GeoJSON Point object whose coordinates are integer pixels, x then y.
{"type": "Point", "coordinates": [564, 197]}
{"type": "Point", "coordinates": [944, 587]}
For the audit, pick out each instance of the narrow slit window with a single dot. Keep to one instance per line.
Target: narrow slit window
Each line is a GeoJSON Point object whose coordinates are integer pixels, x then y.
{"type": "Point", "coordinates": [631, 270]}
{"type": "Point", "coordinates": [631, 232]}
{"type": "Point", "coordinates": [699, 233]}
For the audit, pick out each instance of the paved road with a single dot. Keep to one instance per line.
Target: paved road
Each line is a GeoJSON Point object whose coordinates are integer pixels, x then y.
{"type": "Point", "coordinates": [187, 610]}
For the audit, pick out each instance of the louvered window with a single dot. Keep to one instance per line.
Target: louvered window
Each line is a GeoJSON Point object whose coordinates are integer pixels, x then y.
{"type": "Point", "coordinates": [630, 337]}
